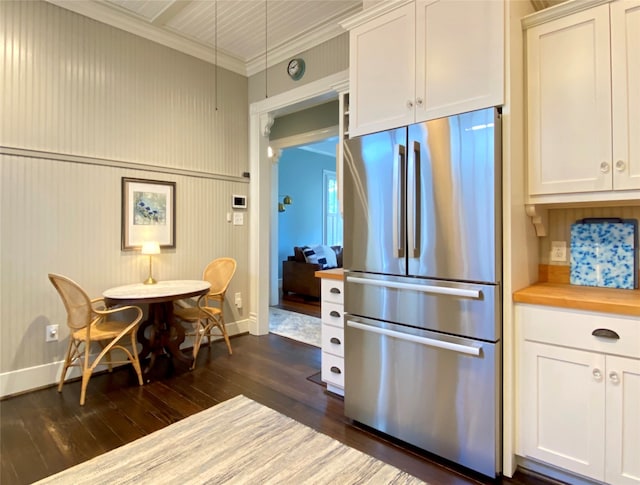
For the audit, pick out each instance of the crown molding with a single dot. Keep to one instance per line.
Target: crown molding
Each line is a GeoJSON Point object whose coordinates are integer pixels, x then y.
{"type": "Point", "coordinates": [373, 12]}
{"type": "Point", "coordinates": [142, 28]}
{"type": "Point", "coordinates": [327, 31]}
{"type": "Point", "coordinates": [558, 11]}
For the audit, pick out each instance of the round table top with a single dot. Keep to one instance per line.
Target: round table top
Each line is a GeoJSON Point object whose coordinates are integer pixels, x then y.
{"type": "Point", "coordinates": [159, 292]}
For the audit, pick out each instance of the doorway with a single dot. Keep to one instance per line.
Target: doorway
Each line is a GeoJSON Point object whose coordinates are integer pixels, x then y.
{"type": "Point", "coordinates": [263, 212]}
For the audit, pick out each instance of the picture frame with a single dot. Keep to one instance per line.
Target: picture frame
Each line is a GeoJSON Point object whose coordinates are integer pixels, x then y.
{"type": "Point", "coordinates": [148, 213]}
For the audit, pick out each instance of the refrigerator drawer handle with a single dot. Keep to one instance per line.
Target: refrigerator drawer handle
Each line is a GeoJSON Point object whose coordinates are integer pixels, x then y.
{"type": "Point", "coordinates": [438, 290]}
{"type": "Point", "coordinates": [463, 349]}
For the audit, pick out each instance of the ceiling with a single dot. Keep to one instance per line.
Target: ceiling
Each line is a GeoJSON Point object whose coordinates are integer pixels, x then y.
{"type": "Point", "coordinates": [239, 45]}
{"type": "Point", "coordinates": [190, 26]}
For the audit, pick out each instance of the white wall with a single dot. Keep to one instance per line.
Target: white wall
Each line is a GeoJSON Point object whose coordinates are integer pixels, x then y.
{"type": "Point", "coordinates": [83, 105]}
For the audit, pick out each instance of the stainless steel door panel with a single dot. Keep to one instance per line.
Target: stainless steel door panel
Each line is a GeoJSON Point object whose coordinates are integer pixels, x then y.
{"type": "Point", "coordinates": [375, 209]}
{"type": "Point", "coordinates": [426, 389]}
{"type": "Point", "coordinates": [454, 206]}
{"type": "Point", "coordinates": [465, 309]}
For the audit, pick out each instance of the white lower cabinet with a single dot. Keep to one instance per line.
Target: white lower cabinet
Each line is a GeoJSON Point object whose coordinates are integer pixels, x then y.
{"type": "Point", "coordinates": [579, 393]}
{"type": "Point", "coordinates": [333, 335]}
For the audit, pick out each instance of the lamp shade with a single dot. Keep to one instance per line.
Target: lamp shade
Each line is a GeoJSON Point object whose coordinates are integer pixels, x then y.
{"type": "Point", "coordinates": [151, 247]}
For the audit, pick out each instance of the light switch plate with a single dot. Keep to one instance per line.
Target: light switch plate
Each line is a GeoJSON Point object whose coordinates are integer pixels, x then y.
{"type": "Point", "coordinates": [238, 218]}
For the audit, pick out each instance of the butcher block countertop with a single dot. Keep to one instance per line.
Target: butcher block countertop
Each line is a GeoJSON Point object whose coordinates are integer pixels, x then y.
{"type": "Point", "coordinates": [554, 290]}
{"type": "Point", "coordinates": [332, 274]}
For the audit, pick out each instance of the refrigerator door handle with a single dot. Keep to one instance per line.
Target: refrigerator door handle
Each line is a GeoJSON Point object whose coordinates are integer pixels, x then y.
{"type": "Point", "coordinates": [414, 201]}
{"type": "Point", "coordinates": [429, 342]}
{"type": "Point", "coordinates": [399, 196]}
{"type": "Point", "coordinates": [438, 290]}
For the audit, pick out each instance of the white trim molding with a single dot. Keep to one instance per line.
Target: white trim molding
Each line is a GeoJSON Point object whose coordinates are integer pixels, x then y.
{"type": "Point", "coordinates": [262, 211]}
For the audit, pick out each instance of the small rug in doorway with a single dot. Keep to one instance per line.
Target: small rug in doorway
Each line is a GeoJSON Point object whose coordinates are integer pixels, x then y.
{"type": "Point", "coordinates": [296, 326]}
{"type": "Point", "coordinates": [238, 441]}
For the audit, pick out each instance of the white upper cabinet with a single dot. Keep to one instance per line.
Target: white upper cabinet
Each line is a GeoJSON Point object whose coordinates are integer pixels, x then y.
{"type": "Point", "coordinates": [583, 104]}
{"type": "Point", "coordinates": [459, 58]}
{"type": "Point", "coordinates": [625, 75]}
{"type": "Point", "coordinates": [424, 60]}
{"type": "Point", "coordinates": [382, 72]}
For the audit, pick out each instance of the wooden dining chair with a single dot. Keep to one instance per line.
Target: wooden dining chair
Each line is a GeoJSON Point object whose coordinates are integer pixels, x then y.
{"type": "Point", "coordinates": [208, 312]}
{"type": "Point", "coordinates": [89, 322]}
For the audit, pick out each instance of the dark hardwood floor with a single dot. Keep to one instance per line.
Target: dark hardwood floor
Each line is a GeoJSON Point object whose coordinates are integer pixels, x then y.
{"type": "Point", "coordinates": [43, 432]}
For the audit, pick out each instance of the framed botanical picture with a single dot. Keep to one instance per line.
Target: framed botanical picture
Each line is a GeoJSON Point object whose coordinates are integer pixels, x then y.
{"type": "Point", "coordinates": [148, 213]}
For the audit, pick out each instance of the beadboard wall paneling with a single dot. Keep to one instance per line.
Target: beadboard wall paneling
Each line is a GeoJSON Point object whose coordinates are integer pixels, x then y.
{"type": "Point", "coordinates": [325, 59]}
{"type": "Point", "coordinates": [61, 217]}
{"type": "Point", "coordinates": [560, 220]}
{"type": "Point", "coordinates": [73, 85]}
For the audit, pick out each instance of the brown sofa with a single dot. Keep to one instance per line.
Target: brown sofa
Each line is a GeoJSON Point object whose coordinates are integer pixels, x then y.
{"type": "Point", "coordinates": [298, 276]}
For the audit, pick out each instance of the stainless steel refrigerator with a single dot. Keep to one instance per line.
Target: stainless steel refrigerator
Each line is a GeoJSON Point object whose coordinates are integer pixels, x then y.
{"type": "Point", "coordinates": [422, 257]}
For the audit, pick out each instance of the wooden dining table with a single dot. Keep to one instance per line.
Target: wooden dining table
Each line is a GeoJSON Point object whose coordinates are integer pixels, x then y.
{"type": "Point", "coordinates": [161, 333]}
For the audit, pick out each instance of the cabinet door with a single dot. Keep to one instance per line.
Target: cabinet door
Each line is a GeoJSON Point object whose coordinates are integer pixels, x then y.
{"type": "Point", "coordinates": [563, 407]}
{"type": "Point", "coordinates": [625, 65]}
{"type": "Point", "coordinates": [623, 421]}
{"type": "Point", "coordinates": [569, 104]}
{"type": "Point", "coordinates": [382, 72]}
{"type": "Point", "coordinates": [459, 56]}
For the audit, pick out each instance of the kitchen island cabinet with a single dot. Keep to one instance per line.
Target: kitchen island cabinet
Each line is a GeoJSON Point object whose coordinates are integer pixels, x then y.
{"type": "Point", "coordinates": [413, 61]}
{"type": "Point", "coordinates": [579, 391]}
{"type": "Point", "coordinates": [332, 297]}
{"type": "Point", "coordinates": [583, 69]}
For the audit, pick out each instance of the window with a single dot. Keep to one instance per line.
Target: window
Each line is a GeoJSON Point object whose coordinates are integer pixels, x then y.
{"type": "Point", "coordinates": [332, 220]}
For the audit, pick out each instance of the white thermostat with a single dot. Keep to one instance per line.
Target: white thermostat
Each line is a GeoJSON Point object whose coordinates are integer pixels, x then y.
{"type": "Point", "coordinates": [239, 201]}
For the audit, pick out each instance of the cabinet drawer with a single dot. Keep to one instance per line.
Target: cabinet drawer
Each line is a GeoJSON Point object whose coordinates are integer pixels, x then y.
{"type": "Point", "coordinates": [332, 314]}
{"type": "Point", "coordinates": [575, 328]}
{"type": "Point", "coordinates": [333, 340]}
{"type": "Point", "coordinates": [333, 369]}
{"type": "Point", "coordinates": [332, 291]}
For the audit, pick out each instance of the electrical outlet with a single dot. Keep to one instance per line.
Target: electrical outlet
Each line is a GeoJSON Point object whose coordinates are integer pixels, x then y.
{"type": "Point", "coordinates": [558, 251]}
{"type": "Point", "coordinates": [52, 333]}
{"type": "Point", "coordinates": [239, 300]}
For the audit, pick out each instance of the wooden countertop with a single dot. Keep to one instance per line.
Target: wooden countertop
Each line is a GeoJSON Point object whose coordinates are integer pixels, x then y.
{"type": "Point", "coordinates": [332, 274]}
{"type": "Point", "coordinates": [607, 300]}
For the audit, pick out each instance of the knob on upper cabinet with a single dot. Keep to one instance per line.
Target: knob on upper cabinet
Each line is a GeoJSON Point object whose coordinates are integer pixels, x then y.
{"type": "Point", "coordinates": [620, 165]}
{"type": "Point", "coordinates": [604, 167]}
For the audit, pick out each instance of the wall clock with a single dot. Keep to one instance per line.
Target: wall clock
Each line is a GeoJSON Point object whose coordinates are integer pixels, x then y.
{"type": "Point", "coordinates": [295, 68]}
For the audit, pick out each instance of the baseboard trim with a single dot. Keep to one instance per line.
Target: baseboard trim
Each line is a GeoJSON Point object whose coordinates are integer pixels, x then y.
{"type": "Point", "coordinates": [553, 473]}
{"type": "Point", "coordinates": [46, 375]}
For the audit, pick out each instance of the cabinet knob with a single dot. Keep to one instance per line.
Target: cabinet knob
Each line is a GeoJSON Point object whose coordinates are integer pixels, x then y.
{"type": "Point", "coordinates": [335, 340]}
{"type": "Point", "coordinates": [419, 102]}
{"type": "Point", "coordinates": [597, 375]}
{"type": "Point", "coordinates": [604, 167]}
{"type": "Point", "coordinates": [335, 290]}
{"type": "Point", "coordinates": [409, 104]}
{"type": "Point", "coordinates": [620, 165]}
{"type": "Point", "coordinates": [335, 370]}
{"type": "Point", "coordinates": [613, 377]}
{"type": "Point", "coordinates": [334, 313]}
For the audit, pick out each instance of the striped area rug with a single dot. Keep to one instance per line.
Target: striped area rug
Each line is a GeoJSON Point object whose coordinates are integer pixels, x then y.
{"type": "Point", "coordinates": [237, 442]}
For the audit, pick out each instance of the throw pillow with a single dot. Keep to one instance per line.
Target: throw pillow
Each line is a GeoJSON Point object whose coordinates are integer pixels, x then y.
{"type": "Point", "coordinates": [325, 256]}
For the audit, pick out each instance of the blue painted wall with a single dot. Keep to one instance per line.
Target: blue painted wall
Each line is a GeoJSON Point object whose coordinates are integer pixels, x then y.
{"type": "Point", "coordinates": [300, 177]}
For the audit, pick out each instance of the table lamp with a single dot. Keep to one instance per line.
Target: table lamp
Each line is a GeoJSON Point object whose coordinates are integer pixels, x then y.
{"type": "Point", "coordinates": [150, 248]}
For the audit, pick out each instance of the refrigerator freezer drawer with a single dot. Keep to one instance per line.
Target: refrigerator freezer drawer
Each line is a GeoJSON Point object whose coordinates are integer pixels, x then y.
{"type": "Point", "coordinates": [439, 393]}
{"type": "Point", "coordinates": [466, 309]}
